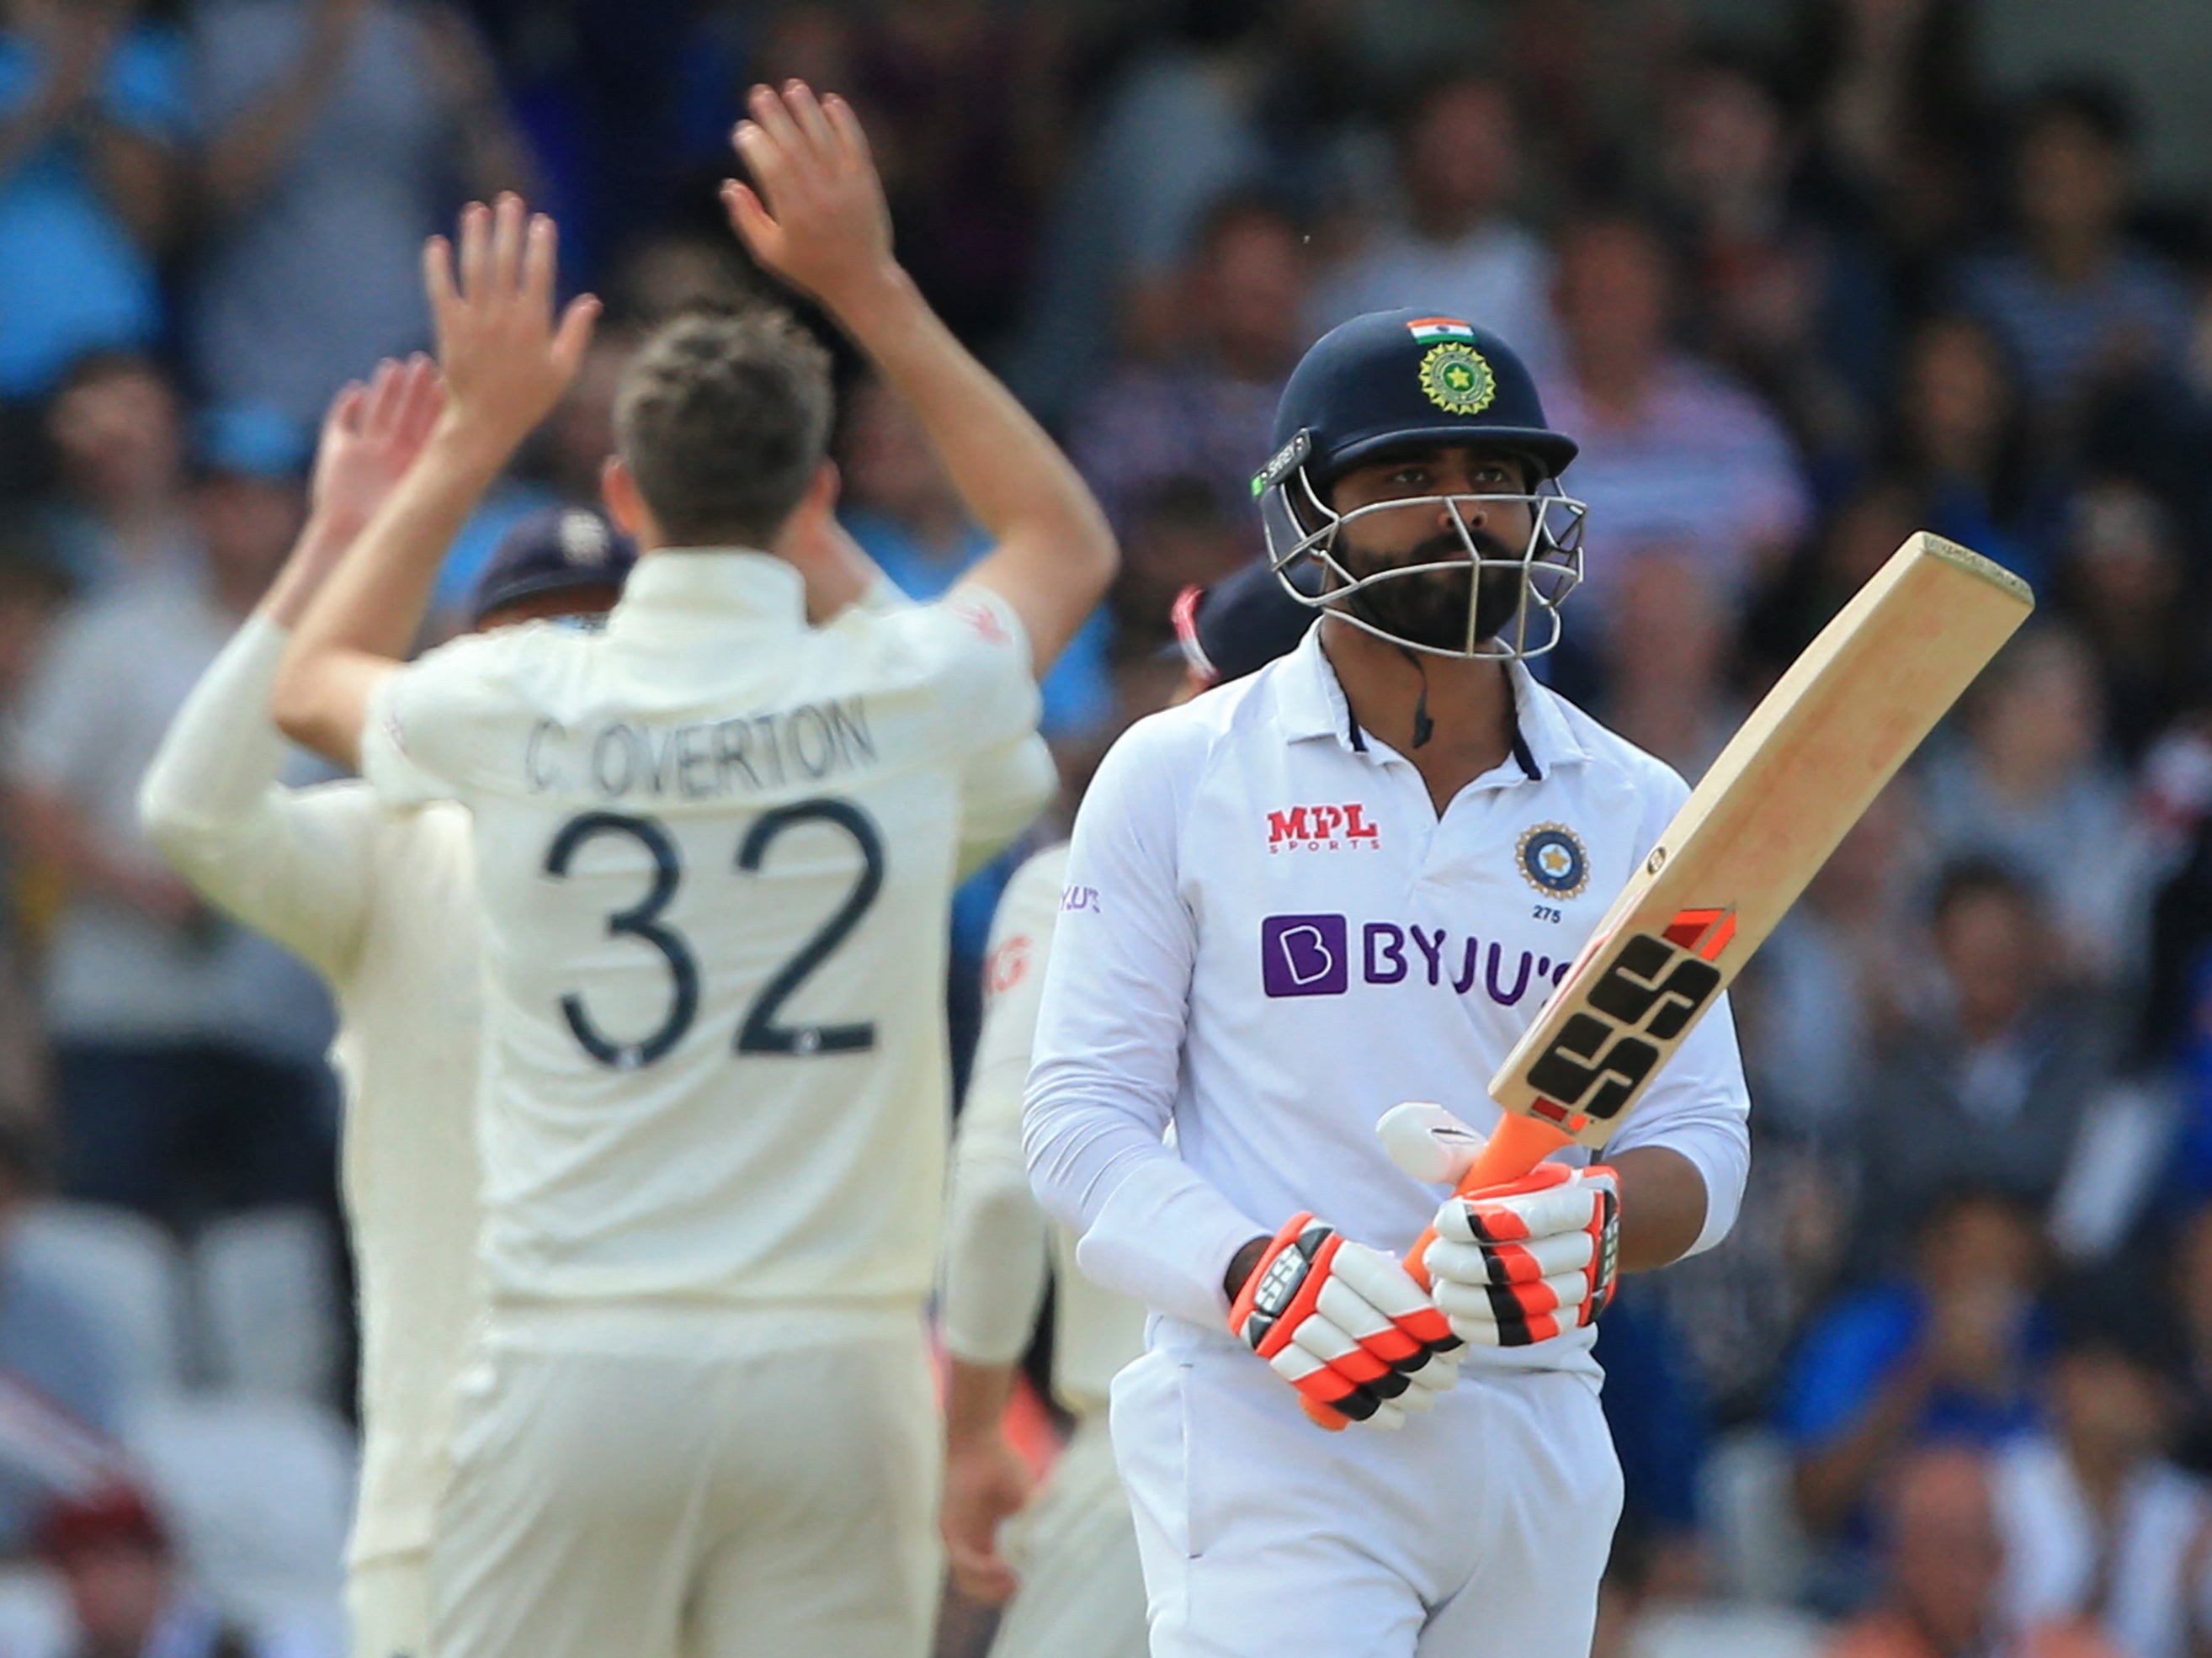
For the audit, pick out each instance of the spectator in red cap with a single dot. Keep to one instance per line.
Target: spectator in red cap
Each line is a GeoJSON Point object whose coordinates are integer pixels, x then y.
{"type": "Point", "coordinates": [125, 1594]}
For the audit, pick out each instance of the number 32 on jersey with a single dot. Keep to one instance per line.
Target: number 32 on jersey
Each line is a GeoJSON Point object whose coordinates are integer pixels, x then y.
{"type": "Point", "coordinates": [760, 1032]}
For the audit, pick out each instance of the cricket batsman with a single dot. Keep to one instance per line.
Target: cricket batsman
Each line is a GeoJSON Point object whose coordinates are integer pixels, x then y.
{"type": "Point", "coordinates": [1346, 882]}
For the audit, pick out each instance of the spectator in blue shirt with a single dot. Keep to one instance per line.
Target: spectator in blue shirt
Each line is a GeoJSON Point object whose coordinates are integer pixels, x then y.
{"type": "Point", "coordinates": [1947, 1350]}
{"type": "Point", "coordinates": [91, 107]}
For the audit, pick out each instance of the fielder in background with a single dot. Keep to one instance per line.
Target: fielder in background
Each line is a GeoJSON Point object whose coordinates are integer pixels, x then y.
{"type": "Point", "coordinates": [1347, 883]}
{"type": "Point", "coordinates": [383, 905]}
{"type": "Point", "coordinates": [1066, 1556]}
{"type": "Point", "coordinates": [716, 851]}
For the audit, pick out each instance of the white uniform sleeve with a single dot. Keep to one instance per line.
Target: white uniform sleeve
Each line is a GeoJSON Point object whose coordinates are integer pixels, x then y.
{"type": "Point", "coordinates": [977, 654]}
{"type": "Point", "coordinates": [1109, 1042]}
{"type": "Point", "coordinates": [1001, 793]}
{"type": "Point", "coordinates": [1698, 1105]}
{"type": "Point", "coordinates": [1002, 790]}
{"type": "Point", "coordinates": [997, 1241]}
{"type": "Point", "coordinates": [427, 721]}
{"type": "Point", "coordinates": [289, 864]}
{"type": "Point", "coordinates": [883, 594]}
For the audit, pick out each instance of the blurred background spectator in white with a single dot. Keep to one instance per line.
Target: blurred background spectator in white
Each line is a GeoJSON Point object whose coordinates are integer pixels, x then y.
{"type": "Point", "coordinates": [186, 1049]}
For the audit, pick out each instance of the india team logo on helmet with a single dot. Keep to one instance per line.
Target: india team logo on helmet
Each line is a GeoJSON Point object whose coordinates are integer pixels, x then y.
{"type": "Point", "coordinates": [1396, 382]}
{"type": "Point", "coordinates": [1457, 379]}
{"type": "Point", "coordinates": [1453, 373]}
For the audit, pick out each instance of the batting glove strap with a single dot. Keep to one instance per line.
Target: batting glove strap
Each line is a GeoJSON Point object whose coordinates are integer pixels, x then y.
{"type": "Point", "coordinates": [1343, 1325]}
{"type": "Point", "coordinates": [1518, 1264]}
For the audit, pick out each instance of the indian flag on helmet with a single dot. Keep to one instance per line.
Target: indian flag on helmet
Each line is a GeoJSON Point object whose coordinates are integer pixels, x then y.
{"type": "Point", "coordinates": [1426, 329]}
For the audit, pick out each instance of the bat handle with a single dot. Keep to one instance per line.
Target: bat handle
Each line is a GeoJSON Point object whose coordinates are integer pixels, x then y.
{"type": "Point", "coordinates": [1518, 1145]}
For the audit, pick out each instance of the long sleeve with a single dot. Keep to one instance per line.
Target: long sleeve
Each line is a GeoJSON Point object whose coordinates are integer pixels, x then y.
{"type": "Point", "coordinates": [1002, 790]}
{"type": "Point", "coordinates": [997, 1241]}
{"type": "Point", "coordinates": [1697, 1107]}
{"type": "Point", "coordinates": [1103, 1087]}
{"type": "Point", "coordinates": [288, 863]}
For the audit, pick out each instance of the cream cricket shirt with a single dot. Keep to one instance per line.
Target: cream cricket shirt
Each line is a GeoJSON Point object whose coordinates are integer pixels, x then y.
{"type": "Point", "coordinates": [383, 905]}
{"type": "Point", "coordinates": [715, 850]}
{"type": "Point", "coordinates": [997, 1243]}
{"type": "Point", "coordinates": [1269, 937]}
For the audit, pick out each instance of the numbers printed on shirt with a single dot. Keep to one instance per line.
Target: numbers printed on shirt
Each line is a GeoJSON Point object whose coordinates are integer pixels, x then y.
{"type": "Point", "coordinates": [759, 1032]}
{"type": "Point", "coordinates": [1545, 913]}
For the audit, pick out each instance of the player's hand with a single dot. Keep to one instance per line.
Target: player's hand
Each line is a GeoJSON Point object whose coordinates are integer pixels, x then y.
{"type": "Point", "coordinates": [1517, 1264]}
{"type": "Point", "coordinates": [1343, 1325]}
{"type": "Point", "coordinates": [814, 213]}
{"type": "Point", "coordinates": [986, 1483]}
{"type": "Point", "coordinates": [372, 435]}
{"type": "Point", "coordinates": [507, 360]}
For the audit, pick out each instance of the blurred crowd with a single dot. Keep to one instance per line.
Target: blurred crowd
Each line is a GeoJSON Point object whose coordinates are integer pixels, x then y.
{"type": "Point", "coordinates": [1948, 1386]}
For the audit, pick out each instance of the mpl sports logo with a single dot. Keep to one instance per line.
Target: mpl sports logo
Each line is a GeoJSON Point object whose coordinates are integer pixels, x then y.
{"type": "Point", "coordinates": [1322, 829]}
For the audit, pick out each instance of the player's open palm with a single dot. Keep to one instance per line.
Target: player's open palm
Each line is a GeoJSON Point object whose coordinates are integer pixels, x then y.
{"type": "Point", "coordinates": [814, 213]}
{"type": "Point", "coordinates": [507, 356]}
{"type": "Point", "coordinates": [372, 435]}
{"type": "Point", "coordinates": [985, 1485]}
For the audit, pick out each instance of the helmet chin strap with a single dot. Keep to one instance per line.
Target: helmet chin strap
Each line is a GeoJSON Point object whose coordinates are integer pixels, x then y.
{"type": "Point", "coordinates": [1424, 728]}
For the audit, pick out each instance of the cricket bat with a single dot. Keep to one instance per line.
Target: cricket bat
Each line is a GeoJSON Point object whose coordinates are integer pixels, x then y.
{"type": "Point", "coordinates": [1790, 784]}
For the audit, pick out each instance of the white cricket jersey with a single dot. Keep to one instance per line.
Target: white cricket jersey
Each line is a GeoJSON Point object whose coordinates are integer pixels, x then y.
{"type": "Point", "coordinates": [383, 905]}
{"type": "Point", "coordinates": [997, 1241]}
{"type": "Point", "coordinates": [1269, 937]}
{"type": "Point", "coordinates": [715, 850]}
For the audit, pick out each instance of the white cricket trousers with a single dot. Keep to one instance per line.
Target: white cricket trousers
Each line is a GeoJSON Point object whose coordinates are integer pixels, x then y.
{"type": "Point", "coordinates": [1082, 1593]}
{"type": "Point", "coordinates": [1481, 1528]}
{"type": "Point", "coordinates": [640, 1482]}
{"type": "Point", "coordinates": [387, 1602]}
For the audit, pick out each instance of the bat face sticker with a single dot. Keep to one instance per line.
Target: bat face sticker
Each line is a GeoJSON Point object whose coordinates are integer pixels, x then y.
{"type": "Point", "coordinates": [1640, 1006]}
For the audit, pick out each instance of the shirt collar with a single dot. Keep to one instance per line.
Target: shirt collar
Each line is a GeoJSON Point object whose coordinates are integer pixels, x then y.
{"type": "Point", "coordinates": [721, 584]}
{"type": "Point", "coordinates": [1542, 734]}
{"type": "Point", "coordinates": [1310, 703]}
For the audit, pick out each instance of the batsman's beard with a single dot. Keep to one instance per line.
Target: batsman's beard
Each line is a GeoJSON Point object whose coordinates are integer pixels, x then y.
{"type": "Point", "coordinates": [1431, 608]}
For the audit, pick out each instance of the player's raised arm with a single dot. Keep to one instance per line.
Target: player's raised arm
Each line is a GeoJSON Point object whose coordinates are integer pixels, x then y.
{"type": "Point", "coordinates": [507, 358]}
{"type": "Point", "coordinates": [819, 222]}
{"type": "Point", "coordinates": [285, 862]}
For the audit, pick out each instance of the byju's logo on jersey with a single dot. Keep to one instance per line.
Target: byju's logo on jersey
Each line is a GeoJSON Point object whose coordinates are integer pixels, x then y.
{"type": "Point", "coordinates": [1321, 828]}
{"type": "Point", "coordinates": [1552, 859]}
{"type": "Point", "coordinates": [1304, 955]}
{"type": "Point", "coordinates": [1314, 955]}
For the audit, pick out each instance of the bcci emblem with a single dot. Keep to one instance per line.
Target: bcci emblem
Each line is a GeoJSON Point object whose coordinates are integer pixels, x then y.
{"type": "Point", "coordinates": [1457, 379]}
{"type": "Point", "coordinates": [1554, 860]}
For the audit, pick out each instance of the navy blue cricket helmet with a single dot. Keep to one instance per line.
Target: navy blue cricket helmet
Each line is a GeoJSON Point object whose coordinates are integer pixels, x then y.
{"type": "Point", "coordinates": [556, 550]}
{"type": "Point", "coordinates": [1394, 380]}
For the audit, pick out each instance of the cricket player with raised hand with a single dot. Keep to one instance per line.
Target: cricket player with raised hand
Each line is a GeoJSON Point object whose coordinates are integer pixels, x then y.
{"type": "Point", "coordinates": [715, 849]}
{"type": "Point", "coordinates": [383, 905]}
{"type": "Point", "coordinates": [1344, 883]}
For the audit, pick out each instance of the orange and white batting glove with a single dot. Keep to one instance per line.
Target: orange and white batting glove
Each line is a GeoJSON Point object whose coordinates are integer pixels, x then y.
{"type": "Point", "coordinates": [1515, 1264]}
{"type": "Point", "coordinates": [1521, 1263]}
{"type": "Point", "coordinates": [1343, 1325]}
